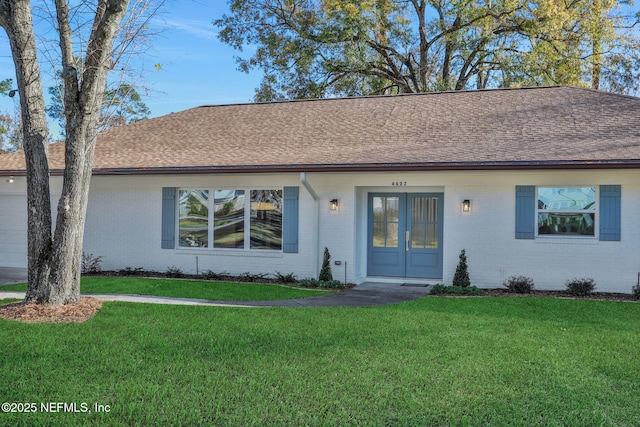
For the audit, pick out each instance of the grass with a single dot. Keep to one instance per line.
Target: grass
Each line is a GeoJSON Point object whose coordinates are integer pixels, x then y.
{"type": "Point", "coordinates": [434, 361]}
{"type": "Point", "coordinates": [185, 289]}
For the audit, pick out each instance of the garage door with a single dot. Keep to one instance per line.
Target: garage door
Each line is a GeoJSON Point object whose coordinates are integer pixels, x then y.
{"type": "Point", "coordinates": [13, 231]}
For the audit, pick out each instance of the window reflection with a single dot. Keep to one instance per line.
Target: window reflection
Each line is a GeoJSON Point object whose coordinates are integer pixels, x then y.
{"type": "Point", "coordinates": [193, 208]}
{"type": "Point", "coordinates": [228, 219]}
{"type": "Point", "coordinates": [566, 211]}
{"type": "Point", "coordinates": [266, 219]}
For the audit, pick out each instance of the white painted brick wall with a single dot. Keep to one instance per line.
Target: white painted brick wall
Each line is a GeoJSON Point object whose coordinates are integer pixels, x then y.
{"type": "Point", "coordinates": [124, 226]}
{"type": "Point", "coordinates": [124, 219]}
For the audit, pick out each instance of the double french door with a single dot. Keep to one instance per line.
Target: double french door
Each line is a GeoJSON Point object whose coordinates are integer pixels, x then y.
{"type": "Point", "coordinates": [405, 235]}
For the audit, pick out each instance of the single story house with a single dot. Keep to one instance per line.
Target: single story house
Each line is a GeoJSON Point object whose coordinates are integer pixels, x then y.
{"type": "Point", "coordinates": [542, 182]}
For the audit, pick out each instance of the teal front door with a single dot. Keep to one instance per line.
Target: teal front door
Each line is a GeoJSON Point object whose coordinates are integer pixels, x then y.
{"type": "Point", "coordinates": [405, 235]}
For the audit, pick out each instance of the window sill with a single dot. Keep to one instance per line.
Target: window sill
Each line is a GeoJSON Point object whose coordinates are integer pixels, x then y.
{"type": "Point", "coordinates": [256, 253]}
{"type": "Point", "coordinates": [557, 240]}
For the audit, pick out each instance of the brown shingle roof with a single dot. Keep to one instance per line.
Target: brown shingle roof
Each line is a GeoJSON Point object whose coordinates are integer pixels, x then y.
{"type": "Point", "coordinates": [530, 127]}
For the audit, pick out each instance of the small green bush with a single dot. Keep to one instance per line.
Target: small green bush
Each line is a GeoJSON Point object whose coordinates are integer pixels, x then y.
{"type": "Point", "coordinates": [253, 278]}
{"type": "Point", "coordinates": [91, 264]}
{"type": "Point", "coordinates": [636, 291]}
{"type": "Point", "coordinates": [285, 278]}
{"type": "Point", "coordinates": [326, 284]}
{"type": "Point", "coordinates": [519, 284]}
{"type": "Point", "coordinates": [325, 272]}
{"type": "Point", "coordinates": [174, 271]}
{"type": "Point", "coordinates": [461, 276]}
{"type": "Point", "coordinates": [580, 287]}
{"type": "Point", "coordinates": [212, 275]}
{"type": "Point", "coordinates": [457, 290]}
{"type": "Point", "coordinates": [132, 271]}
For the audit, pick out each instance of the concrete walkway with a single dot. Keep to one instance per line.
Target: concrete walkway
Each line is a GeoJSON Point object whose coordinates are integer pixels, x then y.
{"type": "Point", "coordinates": [365, 294]}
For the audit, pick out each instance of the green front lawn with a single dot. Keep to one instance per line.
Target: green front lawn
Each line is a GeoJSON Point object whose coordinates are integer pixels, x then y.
{"type": "Point", "coordinates": [429, 362]}
{"type": "Point", "coordinates": [185, 289]}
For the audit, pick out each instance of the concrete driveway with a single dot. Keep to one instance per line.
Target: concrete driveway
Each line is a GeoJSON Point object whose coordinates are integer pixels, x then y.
{"type": "Point", "coordinates": [10, 275]}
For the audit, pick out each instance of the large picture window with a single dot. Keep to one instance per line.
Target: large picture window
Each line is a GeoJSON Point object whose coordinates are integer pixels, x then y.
{"type": "Point", "coordinates": [229, 219]}
{"type": "Point", "coordinates": [567, 211]}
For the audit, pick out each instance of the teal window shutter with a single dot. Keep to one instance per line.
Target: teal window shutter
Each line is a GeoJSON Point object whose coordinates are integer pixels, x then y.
{"type": "Point", "coordinates": [610, 213]}
{"type": "Point", "coordinates": [290, 219]}
{"type": "Point", "coordinates": [525, 211]}
{"type": "Point", "coordinates": [168, 218]}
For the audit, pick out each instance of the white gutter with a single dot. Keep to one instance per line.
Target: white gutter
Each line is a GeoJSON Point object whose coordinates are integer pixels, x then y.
{"type": "Point", "coordinates": [316, 199]}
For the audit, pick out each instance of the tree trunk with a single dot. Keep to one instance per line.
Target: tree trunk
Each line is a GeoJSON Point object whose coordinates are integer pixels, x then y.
{"type": "Point", "coordinates": [54, 263]}
{"type": "Point", "coordinates": [16, 19]}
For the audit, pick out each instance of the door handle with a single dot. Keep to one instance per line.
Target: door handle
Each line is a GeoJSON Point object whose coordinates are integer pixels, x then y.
{"type": "Point", "coordinates": [406, 239]}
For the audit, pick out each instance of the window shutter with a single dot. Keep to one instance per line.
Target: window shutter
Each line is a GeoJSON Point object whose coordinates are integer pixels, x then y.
{"type": "Point", "coordinates": [610, 213]}
{"type": "Point", "coordinates": [168, 218]}
{"type": "Point", "coordinates": [290, 220]}
{"type": "Point", "coordinates": [525, 211]}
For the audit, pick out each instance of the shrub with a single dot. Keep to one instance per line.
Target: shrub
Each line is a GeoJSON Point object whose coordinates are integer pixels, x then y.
{"type": "Point", "coordinates": [90, 264]}
{"type": "Point", "coordinates": [580, 287]}
{"type": "Point", "coordinates": [461, 277]}
{"type": "Point", "coordinates": [253, 278]}
{"type": "Point", "coordinates": [326, 284]}
{"type": "Point", "coordinates": [212, 275]}
{"type": "Point", "coordinates": [636, 291]}
{"type": "Point", "coordinates": [439, 289]}
{"type": "Point", "coordinates": [457, 290]}
{"type": "Point", "coordinates": [131, 271]}
{"type": "Point", "coordinates": [174, 271]}
{"type": "Point", "coordinates": [285, 278]}
{"type": "Point", "coordinates": [519, 284]}
{"type": "Point", "coordinates": [325, 272]}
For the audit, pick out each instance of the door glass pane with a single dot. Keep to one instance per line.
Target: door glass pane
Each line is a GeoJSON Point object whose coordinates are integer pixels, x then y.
{"type": "Point", "coordinates": [378, 234]}
{"type": "Point", "coordinates": [417, 210]}
{"type": "Point", "coordinates": [418, 235]}
{"type": "Point", "coordinates": [228, 219]}
{"type": "Point", "coordinates": [432, 223]}
{"type": "Point", "coordinates": [424, 222]}
{"type": "Point", "coordinates": [432, 236]}
{"type": "Point", "coordinates": [385, 222]}
{"type": "Point", "coordinates": [392, 209]}
{"type": "Point", "coordinates": [392, 235]}
{"type": "Point", "coordinates": [378, 208]}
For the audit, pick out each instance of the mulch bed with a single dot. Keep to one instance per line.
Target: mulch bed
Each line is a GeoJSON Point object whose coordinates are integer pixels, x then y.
{"type": "Point", "coordinates": [598, 296]}
{"type": "Point", "coordinates": [80, 311]}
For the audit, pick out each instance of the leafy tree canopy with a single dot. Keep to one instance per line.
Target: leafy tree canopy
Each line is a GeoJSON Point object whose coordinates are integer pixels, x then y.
{"type": "Point", "coordinates": [121, 105]}
{"type": "Point", "coordinates": [320, 48]}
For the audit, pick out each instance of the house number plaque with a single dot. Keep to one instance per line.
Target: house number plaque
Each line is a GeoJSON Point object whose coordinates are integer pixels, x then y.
{"type": "Point", "coordinates": [399, 183]}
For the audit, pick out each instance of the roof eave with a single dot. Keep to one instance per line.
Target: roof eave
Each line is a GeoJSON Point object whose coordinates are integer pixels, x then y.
{"type": "Point", "coordinates": [363, 167]}
{"type": "Point", "coordinates": [379, 167]}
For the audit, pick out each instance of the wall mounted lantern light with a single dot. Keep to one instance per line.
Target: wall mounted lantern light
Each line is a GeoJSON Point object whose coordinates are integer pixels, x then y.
{"type": "Point", "coordinates": [466, 206]}
{"type": "Point", "coordinates": [333, 205]}
{"type": "Point", "coordinates": [10, 180]}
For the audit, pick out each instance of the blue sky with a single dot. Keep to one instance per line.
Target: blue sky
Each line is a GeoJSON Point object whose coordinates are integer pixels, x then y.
{"type": "Point", "coordinates": [196, 69]}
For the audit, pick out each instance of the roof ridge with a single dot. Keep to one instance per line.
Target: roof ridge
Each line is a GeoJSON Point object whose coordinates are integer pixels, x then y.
{"type": "Point", "coordinates": [601, 92]}
{"type": "Point", "coordinates": [343, 98]}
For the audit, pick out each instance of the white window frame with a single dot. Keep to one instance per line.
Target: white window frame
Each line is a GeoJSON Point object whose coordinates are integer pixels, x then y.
{"type": "Point", "coordinates": [596, 212]}
{"type": "Point", "coordinates": [210, 219]}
